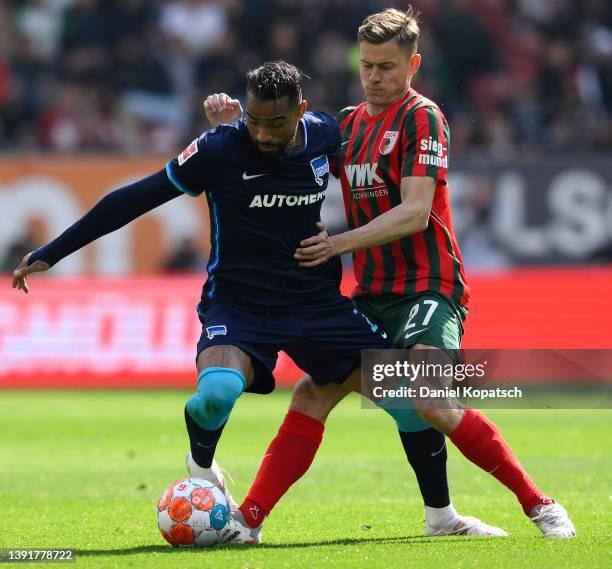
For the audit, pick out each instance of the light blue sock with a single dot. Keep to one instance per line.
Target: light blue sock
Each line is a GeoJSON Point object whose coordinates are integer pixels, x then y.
{"type": "Point", "coordinates": [407, 417]}
{"type": "Point", "coordinates": [408, 420]}
{"type": "Point", "coordinates": [218, 391]}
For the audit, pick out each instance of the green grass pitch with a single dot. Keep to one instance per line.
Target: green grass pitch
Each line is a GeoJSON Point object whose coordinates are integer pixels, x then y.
{"type": "Point", "coordinates": [83, 470]}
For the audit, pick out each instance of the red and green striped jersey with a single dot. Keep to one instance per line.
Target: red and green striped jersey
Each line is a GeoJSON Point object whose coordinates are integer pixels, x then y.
{"type": "Point", "coordinates": [409, 138]}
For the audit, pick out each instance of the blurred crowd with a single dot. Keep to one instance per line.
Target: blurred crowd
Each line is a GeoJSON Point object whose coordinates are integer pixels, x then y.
{"type": "Point", "coordinates": [515, 77]}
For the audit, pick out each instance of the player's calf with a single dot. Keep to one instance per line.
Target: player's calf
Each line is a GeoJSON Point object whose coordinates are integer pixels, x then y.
{"type": "Point", "coordinates": [206, 413]}
{"type": "Point", "coordinates": [292, 451]}
{"type": "Point", "coordinates": [208, 410]}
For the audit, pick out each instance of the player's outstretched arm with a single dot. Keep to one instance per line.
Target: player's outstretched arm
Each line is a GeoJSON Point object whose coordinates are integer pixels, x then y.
{"type": "Point", "coordinates": [222, 109]}
{"type": "Point", "coordinates": [111, 213]}
{"type": "Point", "coordinates": [407, 218]}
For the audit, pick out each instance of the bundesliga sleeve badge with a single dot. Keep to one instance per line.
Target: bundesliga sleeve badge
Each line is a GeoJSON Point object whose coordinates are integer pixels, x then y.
{"type": "Point", "coordinates": [188, 152]}
{"type": "Point", "coordinates": [388, 141]}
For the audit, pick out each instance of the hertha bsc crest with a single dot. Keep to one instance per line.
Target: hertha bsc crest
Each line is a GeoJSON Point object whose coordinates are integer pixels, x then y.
{"type": "Point", "coordinates": [388, 141]}
{"type": "Point", "coordinates": [320, 167]}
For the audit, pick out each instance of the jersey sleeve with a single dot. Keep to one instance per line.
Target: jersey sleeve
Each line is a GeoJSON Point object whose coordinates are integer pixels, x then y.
{"type": "Point", "coordinates": [426, 144]}
{"type": "Point", "coordinates": [193, 169]}
{"type": "Point", "coordinates": [327, 132]}
{"type": "Point", "coordinates": [344, 114]}
{"type": "Point", "coordinates": [334, 166]}
{"type": "Point", "coordinates": [111, 213]}
{"type": "Point", "coordinates": [334, 138]}
{"type": "Point", "coordinates": [334, 162]}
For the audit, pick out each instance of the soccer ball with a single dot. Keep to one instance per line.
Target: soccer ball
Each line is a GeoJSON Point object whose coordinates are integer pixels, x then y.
{"type": "Point", "coordinates": [192, 513]}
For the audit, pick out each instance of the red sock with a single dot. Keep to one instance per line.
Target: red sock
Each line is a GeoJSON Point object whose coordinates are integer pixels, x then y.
{"type": "Point", "coordinates": [287, 459]}
{"type": "Point", "coordinates": [481, 442]}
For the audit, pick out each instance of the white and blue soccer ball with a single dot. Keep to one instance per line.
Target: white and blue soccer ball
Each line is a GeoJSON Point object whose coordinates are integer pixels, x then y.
{"type": "Point", "coordinates": [192, 513]}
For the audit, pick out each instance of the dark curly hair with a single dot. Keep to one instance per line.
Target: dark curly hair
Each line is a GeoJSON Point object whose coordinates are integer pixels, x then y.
{"type": "Point", "coordinates": [275, 80]}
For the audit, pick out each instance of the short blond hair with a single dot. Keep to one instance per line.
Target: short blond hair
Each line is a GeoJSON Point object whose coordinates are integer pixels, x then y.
{"type": "Point", "coordinates": [392, 24]}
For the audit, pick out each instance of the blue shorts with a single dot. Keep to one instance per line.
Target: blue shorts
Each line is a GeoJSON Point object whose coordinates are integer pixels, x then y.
{"type": "Point", "coordinates": [324, 339]}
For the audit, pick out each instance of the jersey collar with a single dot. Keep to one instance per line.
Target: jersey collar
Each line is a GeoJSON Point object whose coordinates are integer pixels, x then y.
{"type": "Point", "coordinates": [390, 109]}
{"type": "Point", "coordinates": [303, 149]}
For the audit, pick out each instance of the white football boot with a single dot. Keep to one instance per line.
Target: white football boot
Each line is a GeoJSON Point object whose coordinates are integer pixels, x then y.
{"type": "Point", "coordinates": [212, 474]}
{"type": "Point", "coordinates": [446, 521]}
{"type": "Point", "coordinates": [238, 532]}
{"type": "Point", "coordinates": [553, 520]}
{"type": "Point", "coordinates": [464, 525]}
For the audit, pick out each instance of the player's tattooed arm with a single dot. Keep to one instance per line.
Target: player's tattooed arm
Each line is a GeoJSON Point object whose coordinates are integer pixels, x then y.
{"type": "Point", "coordinates": [407, 218]}
{"type": "Point", "coordinates": [222, 109]}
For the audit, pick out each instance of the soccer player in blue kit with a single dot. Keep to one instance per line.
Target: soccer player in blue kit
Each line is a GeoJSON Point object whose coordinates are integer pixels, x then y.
{"type": "Point", "coordinates": [264, 178]}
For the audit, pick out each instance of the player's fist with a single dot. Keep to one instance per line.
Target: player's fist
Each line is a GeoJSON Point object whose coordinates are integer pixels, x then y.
{"type": "Point", "coordinates": [23, 270]}
{"type": "Point", "coordinates": [222, 109]}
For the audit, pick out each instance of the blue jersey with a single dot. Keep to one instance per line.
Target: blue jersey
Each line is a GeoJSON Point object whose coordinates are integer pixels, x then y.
{"type": "Point", "coordinates": [260, 210]}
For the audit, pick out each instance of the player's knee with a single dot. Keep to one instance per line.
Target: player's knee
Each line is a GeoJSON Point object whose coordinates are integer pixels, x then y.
{"type": "Point", "coordinates": [309, 399]}
{"type": "Point", "coordinates": [408, 420]}
{"type": "Point", "coordinates": [444, 420]}
{"type": "Point", "coordinates": [303, 398]}
{"type": "Point", "coordinates": [218, 390]}
{"type": "Point", "coordinates": [428, 414]}
{"type": "Point", "coordinates": [440, 419]}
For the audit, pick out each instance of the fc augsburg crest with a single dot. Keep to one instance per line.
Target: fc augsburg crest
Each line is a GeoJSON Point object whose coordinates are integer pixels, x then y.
{"type": "Point", "coordinates": [388, 141]}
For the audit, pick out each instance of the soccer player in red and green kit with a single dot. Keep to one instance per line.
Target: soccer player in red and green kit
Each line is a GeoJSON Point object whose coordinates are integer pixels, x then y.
{"type": "Point", "coordinates": [393, 169]}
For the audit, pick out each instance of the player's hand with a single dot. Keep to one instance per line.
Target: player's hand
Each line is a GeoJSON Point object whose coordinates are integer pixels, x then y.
{"type": "Point", "coordinates": [316, 250]}
{"type": "Point", "coordinates": [222, 109]}
{"type": "Point", "coordinates": [23, 270]}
